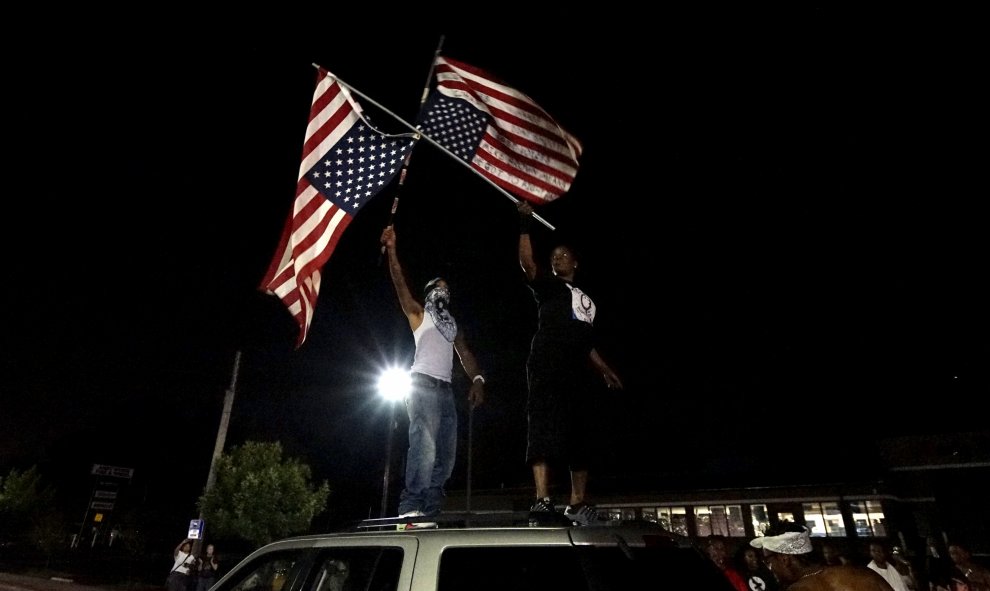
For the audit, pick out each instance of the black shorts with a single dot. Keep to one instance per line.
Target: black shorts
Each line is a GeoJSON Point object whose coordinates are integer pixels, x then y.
{"type": "Point", "coordinates": [559, 418]}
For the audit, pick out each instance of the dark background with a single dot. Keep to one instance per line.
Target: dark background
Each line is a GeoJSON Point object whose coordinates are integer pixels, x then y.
{"type": "Point", "coordinates": [776, 214]}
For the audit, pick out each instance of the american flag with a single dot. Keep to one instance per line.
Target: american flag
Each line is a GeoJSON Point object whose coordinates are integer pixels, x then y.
{"type": "Point", "coordinates": [345, 163]}
{"type": "Point", "coordinates": [501, 132]}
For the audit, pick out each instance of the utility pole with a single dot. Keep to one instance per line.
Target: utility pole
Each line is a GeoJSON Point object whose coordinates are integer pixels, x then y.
{"type": "Point", "coordinates": [228, 403]}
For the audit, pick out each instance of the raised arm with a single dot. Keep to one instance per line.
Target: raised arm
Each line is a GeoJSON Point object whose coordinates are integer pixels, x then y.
{"type": "Point", "coordinates": [410, 306]}
{"type": "Point", "coordinates": [526, 260]}
{"type": "Point", "coordinates": [476, 395]}
{"type": "Point", "coordinates": [175, 553]}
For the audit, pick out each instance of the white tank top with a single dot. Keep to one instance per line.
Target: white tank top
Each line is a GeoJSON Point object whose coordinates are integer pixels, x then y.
{"type": "Point", "coordinates": [434, 353]}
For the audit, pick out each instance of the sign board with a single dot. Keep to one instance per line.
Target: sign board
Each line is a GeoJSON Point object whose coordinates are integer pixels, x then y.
{"type": "Point", "coordinates": [101, 505]}
{"type": "Point", "coordinates": [104, 494]}
{"type": "Point", "coordinates": [115, 471]}
{"type": "Point", "coordinates": [196, 529]}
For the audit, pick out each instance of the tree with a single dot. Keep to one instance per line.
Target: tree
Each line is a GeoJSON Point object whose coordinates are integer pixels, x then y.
{"type": "Point", "coordinates": [259, 497]}
{"type": "Point", "coordinates": [27, 511]}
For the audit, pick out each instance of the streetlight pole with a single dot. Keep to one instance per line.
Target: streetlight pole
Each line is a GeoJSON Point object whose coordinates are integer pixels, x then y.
{"type": "Point", "coordinates": [392, 425]}
{"type": "Point", "coordinates": [393, 385]}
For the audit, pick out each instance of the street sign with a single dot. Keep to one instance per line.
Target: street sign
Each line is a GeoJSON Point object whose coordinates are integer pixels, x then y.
{"type": "Point", "coordinates": [101, 505]}
{"type": "Point", "coordinates": [115, 471]}
{"type": "Point", "coordinates": [196, 529]}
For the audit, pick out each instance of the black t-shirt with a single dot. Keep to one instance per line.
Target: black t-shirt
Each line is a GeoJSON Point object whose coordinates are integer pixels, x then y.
{"type": "Point", "coordinates": [564, 333]}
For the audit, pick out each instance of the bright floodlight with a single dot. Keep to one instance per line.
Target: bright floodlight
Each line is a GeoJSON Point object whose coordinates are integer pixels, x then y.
{"type": "Point", "coordinates": [394, 384]}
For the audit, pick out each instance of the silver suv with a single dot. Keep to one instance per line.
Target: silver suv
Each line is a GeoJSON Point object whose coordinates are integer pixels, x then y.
{"type": "Point", "coordinates": [619, 557]}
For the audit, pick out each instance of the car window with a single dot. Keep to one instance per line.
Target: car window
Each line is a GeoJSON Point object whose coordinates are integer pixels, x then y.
{"type": "Point", "coordinates": [581, 568]}
{"type": "Point", "coordinates": [356, 569]}
{"type": "Point", "coordinates": [510, 568]}
{"type": "Point", "coordinates": [269, 572]}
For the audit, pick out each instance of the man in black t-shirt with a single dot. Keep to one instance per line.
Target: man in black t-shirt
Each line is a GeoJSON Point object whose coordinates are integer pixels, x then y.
{"type": "Point", "coordinates": [558, 409]}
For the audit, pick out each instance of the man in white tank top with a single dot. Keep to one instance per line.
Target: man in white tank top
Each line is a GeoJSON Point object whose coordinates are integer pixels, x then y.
{"type": "Point", "coordinates": [430, 406]}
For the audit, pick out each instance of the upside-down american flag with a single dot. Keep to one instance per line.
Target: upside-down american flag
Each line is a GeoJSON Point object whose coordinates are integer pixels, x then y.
{"type": "Point", "coordinates": [502, 133]}
{"type": "Point", "coordinates": [345, 162]}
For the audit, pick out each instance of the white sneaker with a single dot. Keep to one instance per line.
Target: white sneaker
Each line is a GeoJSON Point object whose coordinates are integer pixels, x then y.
{"type": "Point", "coordinates": [416, 525]}
{"type": "Point", "coordinates": [585, 514]}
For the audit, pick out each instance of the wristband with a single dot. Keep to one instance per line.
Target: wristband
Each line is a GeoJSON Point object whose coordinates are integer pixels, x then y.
{"type": "Point", "coordinates": [478, 378]}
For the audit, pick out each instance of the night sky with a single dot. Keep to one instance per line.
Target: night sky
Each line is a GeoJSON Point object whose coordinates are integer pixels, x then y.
{"type": "Point", "coordinates": [774, 213]}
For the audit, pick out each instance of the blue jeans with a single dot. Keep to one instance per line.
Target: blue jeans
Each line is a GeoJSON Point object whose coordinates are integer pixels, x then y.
{"type": "Point", "coordinates": [432, 445]}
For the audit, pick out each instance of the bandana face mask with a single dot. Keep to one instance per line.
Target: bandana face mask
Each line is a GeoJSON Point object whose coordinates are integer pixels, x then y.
{"type": "Point", "coordinates": [437, 302]}
{"type": "Point", "coordinates": [439, 297]}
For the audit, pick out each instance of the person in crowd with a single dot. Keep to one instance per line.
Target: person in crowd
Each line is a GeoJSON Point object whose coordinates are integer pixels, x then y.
{"type": "Point", "coordinates": [913, 577]}
{"type": "Point", "coordinates": [756, 574]}
{"type": "Point", "coordinates": [938, 565]}
{"type": "Point", "coordinates": [718, 552]}
{"type": "Point", "coordinates": [209, 568]}
{"type": "Point", "coordinates": [832, 556]}
{"type": "Point", "coordinates": [431, 408]}
{"type": "Point", "coordinates": [881, 564]}
{"type": "Point", "coordinates": [787, 552]}
{"type": "Point", "coordinates": [183, 566]}
{"type": "Point", "coordinates": [976, 576]}
{"type": "Point", "coordinates": [560, 423]}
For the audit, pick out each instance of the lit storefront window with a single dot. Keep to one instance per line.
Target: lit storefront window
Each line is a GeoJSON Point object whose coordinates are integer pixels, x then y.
{"type": "Point", "coordinates": [824, 519]}
{"type": "Point", "coordinates": [761, 519]}
{"type": "Point", "coordinates": [662, 517]}
{"type": "Point", "coordinates": [869, 519]}
{"type": "Point", "coordinates": [721, 520]}
{"type": "Point", "coordinates": [678, 520]}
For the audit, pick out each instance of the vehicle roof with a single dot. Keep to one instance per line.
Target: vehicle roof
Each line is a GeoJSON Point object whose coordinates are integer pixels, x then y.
{"type": "Point", "coordinates": [635, 534]}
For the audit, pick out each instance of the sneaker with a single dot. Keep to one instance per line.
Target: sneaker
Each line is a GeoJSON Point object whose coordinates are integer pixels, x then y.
{"type": "Point", "coordinates": [415, 525]}
{"type": "Point", "coordinates": [543, 512]}
{"type": "Point", "coordinates": [584, 514]}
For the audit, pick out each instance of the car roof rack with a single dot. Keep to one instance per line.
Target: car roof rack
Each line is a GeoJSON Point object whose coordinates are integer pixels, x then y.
{"type": "Point", "coordinates": [459, 519]}
{"type": "Point", "coordinates": [475, 519]}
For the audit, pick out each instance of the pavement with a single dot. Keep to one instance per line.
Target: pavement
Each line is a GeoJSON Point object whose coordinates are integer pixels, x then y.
{"type": "Point", "coordinates": [13, 582]}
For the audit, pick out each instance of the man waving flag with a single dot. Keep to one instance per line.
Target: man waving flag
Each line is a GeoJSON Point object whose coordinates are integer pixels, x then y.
{"type": "Point", "coordinates": [345, 163]}
{"type": "Point", "coordinates": [501, 132]}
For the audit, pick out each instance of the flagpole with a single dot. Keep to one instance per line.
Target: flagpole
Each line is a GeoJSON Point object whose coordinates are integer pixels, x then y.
{"type": "Point", "coordinates": [405, 163]}
{"type": "Point", "coordinates": [457, 158]}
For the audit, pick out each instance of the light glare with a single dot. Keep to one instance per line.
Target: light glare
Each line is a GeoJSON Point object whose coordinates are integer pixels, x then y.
{"type": "Point", "coordinates": [394, 384]}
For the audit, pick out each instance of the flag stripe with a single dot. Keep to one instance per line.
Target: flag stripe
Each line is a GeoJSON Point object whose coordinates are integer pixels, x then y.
{"type": "Point", "coordinates": [520, 147]}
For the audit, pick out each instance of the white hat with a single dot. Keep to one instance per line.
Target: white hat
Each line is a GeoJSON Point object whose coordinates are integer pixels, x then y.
{"type": "Point", "coordinates": [786, 543]}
